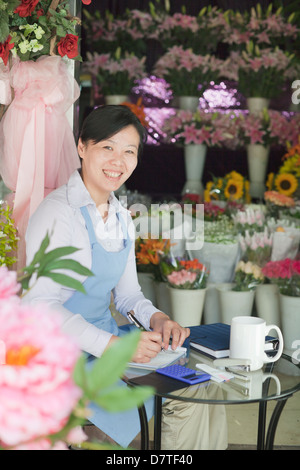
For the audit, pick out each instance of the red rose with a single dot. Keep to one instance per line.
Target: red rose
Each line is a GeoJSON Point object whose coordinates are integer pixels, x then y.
{"type": "Point", "coordinates": [86, 2]}
{"type": "Point", "coordinates": [5, 47]}
{"type": "Point", "coordinates": [68, 46]}
{"type": "Point", "coordinates": [26, 7]}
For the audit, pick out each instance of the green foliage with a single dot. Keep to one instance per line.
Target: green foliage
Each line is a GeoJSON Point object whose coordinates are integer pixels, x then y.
{"type": "Point", "coordinates": [46, 265]}
{"type": "Point", "coordinates": [99, 382]}
{"type": "Point", "coordinates": [8, 237]}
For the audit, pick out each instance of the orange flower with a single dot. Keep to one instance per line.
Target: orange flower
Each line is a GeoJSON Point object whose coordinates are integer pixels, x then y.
{"type": "Point", "coordinates": [192, 264]}
{"type": "Point", "coordinates": [279, 199]}
{"type": "Point", "coordinates": [138, 110]}
{"type": "Point", "coordinates": [148, 251]}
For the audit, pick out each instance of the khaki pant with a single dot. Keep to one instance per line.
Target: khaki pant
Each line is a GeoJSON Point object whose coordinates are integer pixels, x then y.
{"type": "Point", "coordinates": [193, 426]}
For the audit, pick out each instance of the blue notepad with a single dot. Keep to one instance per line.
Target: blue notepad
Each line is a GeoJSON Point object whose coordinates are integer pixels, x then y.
{"type": "Point", "coordinates": [213, 339]}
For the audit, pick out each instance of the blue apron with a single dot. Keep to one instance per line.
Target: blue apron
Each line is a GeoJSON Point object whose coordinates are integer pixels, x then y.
{"type": "Point", "coordinates": [93, 306]}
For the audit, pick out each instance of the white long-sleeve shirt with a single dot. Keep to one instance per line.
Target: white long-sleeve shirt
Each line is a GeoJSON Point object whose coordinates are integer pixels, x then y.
{"type": "Point", "coordinates": [60, 215]}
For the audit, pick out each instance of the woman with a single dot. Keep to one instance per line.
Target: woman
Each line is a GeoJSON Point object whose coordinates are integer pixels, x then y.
{"type": "Point", "coordinates": [85, 213]}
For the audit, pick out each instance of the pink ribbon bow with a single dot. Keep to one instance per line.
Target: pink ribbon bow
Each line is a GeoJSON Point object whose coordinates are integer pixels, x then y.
{"type": "Point", "coordinates": [37, 147]}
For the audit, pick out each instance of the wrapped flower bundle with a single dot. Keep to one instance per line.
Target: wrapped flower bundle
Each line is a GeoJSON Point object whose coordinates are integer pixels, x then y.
{"type": "Point", "coordinates": [247, 276]}
{"type": "Point", "coordinates": [184, 274]}
{"type": "Point", "coordinates": [257, 247]}
{"type": "Point", "coordinates": [251, 220]}
{"type": "Point", "coordinates": [286, 274]}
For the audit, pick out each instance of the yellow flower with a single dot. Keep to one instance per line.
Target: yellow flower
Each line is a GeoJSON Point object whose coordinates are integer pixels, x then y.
{"type": "Point", "coordinates": [270, 181]}
{"type": "Point", "coordinates": [207, 195]}
{"type": "Point", "coordinates": [235, 176]}
{"type": "Point", "coordinates": [286, 183]}
{"type": "Point", "coordinates": [234, 189]}
{"type": "Point", "coordinates": [291, 165]}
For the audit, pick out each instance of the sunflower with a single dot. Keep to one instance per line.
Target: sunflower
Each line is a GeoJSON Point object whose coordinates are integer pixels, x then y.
{"type": "Point", "coordinates": [234, 189]}
{"type": "Point", "coordinates": [235, 176]}
{"type": "Point", "coordinates": [286, 183]}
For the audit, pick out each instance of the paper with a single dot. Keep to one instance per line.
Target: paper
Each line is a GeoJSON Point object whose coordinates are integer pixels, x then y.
{"type": "Point", "coordinates": [164, 358]}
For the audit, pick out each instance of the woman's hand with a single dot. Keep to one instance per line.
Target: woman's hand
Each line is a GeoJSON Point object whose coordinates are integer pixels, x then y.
{"type": "Point", "coordinates": [149, 346]}
{"type": "Point", "coordinates": [161, 323]}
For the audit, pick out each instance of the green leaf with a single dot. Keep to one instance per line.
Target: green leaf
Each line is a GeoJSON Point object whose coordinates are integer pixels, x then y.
{"type": "Point", "coordinates": [57, 253]}
{"type": "Point", "coordinates": [65, 280]}
{"type": "Point", "coordinates": [70, 264]}
{"type": "Point", "coordinates": [124, 398]}
{"type": "Point", "coordinates": [109, 368]}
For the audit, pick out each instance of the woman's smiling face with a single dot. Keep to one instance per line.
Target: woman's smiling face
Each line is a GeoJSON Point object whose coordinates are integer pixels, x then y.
{"type": "Point", "coordinates": [107, 164]}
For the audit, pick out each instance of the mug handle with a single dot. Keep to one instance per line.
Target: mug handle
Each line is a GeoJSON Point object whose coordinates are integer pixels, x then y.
{"type": "Point", "coordinates": [280, 349]}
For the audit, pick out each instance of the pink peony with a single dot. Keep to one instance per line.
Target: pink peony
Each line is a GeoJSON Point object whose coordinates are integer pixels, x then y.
{"type": "Point", "coordinates": [37, 393]}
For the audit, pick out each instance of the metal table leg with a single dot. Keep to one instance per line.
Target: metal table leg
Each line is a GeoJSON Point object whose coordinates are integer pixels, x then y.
{"type": "Point", "coordinates": [157, 422]}
{"type": "Point", "coordinates": [274, 422]}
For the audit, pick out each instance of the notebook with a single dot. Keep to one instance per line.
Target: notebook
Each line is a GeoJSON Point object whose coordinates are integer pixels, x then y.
{"type": "Point", "coordinates": [164, 358]}
{"type": "Point", "coordinates": [213, 339]}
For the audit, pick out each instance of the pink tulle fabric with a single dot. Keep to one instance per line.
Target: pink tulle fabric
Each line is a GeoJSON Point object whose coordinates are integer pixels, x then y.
{"type": "Point", "coordinates": [37, 147]}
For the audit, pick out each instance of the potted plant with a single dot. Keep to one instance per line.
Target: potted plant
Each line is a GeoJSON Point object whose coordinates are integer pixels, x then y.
{"type": "Point", "coordinates": [285, 274]}
{"type": "Point", "coordinates": [186, 281]}
{"type": "Point", "coordinates": [114, 73]}
{"type": "Point", "coordinates": [189, 74]}
{"type": "Point", "coordinates": [196, 131]}
{"type": "Point", "coordinates": [148, 253]}
{"type": "Point", "coordinates": [237, 299]}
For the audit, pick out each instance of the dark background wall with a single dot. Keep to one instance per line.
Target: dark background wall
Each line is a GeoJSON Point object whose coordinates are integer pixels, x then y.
{"type": "Point", "coordinates": [161, 172]}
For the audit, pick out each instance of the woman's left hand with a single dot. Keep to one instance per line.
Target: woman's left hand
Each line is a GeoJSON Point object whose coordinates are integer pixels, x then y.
{"type": "Point", "coordinates": [168, 328]}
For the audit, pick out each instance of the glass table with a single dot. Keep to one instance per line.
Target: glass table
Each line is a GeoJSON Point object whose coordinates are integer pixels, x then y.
{"type": "Point", "coordinates": [276, 381]}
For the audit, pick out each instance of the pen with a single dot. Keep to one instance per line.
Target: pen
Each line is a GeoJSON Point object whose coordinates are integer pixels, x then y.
{"type": "Point", "coordinates": [138, 324]}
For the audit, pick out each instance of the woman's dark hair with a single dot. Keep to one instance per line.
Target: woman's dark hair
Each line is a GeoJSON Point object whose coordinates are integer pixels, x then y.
{"type": "Point", "coordinates": [105, 121]}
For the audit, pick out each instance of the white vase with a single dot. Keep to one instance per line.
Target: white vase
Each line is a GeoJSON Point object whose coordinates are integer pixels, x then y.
{"type": "Point", "coordinates": [234, 303]}
{"type": "Point", "coordinates": [211, 311]}
{"type": "Point", "coordinates": [147, 285]}
{"type": "Point", "coordinates": [115, 99]}
{"type": "Point", "coordinates": [187, 305]}
{"type": "Point", "coordinates": [163, 298]}
{"type": "Point", "coordinates": [290, 321]}
{"type": "Point", "coordinates": [256, 105]}
{"type": "Point", "coordinates": [257, 156]}
{"type": "Point", "coordinates": [267, 303]}
{"type": "Point", "coordinates": [189, 103]}
{"type": "Point", "coordinates": [194, 161]}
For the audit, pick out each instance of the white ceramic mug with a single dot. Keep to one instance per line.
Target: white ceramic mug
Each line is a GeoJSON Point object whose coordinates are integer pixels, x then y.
{"type": "Point", "coordinates": [247, 341]}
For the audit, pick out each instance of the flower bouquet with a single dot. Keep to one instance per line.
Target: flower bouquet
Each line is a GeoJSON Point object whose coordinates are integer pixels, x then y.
{"type": "Point", "coordinates": [256, 248]}
{"type": "Point", "coordinates": [201, 127]}
{"type": "Point", "coordinates": [267, 28]}
{"type": "Point", "coordinates": [277, 202]}
{"type": "Point", "coordinates": [30, 29]}
{"type": "Point", "coordinates": [114, 73]}
{"type": "Point", "coordinates": [148, 255]}
{"type": "Point", "coordinates": [286, 180]}
{"type": "Point", "coordinates": [233, 187]}
{"type": "Point", "coordinates": [267, 128]}
{"type": "Point", "coordinates": [286, 274]}
{"type": "Point", "coordinates": [247, 276]}
{"type": "Point", "coordinates": [200, 33]}
{"type": "Point", "coordinates": [220, 251]}
{"type": "Point", "coordinates": [251, 220]}
{"type": "Point", "coordinates": [261, 73]}
{"type": "Point", "coordinates": [106, 33]}
{"type": "Point", "coordinates": [184, 273]}
{"type": "Point", "coordinates": [187, 72]}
